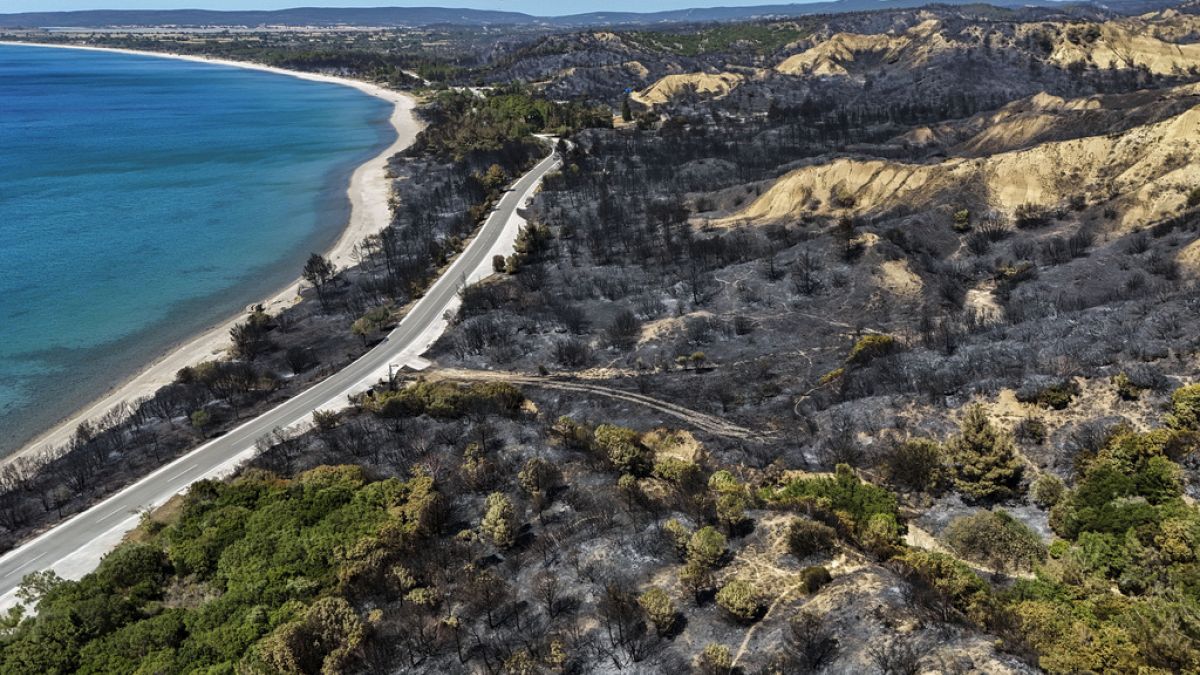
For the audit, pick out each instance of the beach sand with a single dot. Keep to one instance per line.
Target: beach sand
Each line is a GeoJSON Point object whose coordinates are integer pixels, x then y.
{"type": "Point", "coordinates": [370, 213]}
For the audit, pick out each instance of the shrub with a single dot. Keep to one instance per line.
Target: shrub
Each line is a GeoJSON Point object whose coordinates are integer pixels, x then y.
{"type": "Point", "coordinates": [1185, 408]}
{"type": "Point", "coordinates": [624, 330]}
{"type": "Point", "coordinates": [870, 347]}
{"type": "Point", "coordinates": [681, 472]}
{"type": "Point", "coordinates": [1054, 397]}
{"type": "Point", "coordinates": [714, 660]}
{"type": "Point", "coordinates": [447, 400]}
{"type": "Point", "coordinates": [1126, 389]}
{"type": "Point", "coordinates": [1029, 216]}
{"type": "Point", "coordinates": [741, 599]}
{"type": "Point", "coordinates": [842, 197]}
{"type": "Point", "coordinates": [808, 642]}
{"type": "Point", "coordinates": [807, 537]}
{"type": "Point", "coordinates": [986, 462]}
{"type": "Point", "coordinates": [996, 539]}
{"type": "Point", "coordinates": [831, 376]}
{"type": "Point", "coordinates": [962, 220]}
{"type": "Point", "coordinates": [843, 494]}
{"type": "Point", "coordinates": [1030, 431]}
{"type": "Point", "coordinates": [881, 536]}
{"type": "Point", "coordinates": [951, 578]}
{"type": "Point", "coordinates": [659, 609]}
{"type": "Point", "coordinates": [815, 578]}
{"type": "Point", "coordinates": [916, 464]}
{"type": "Point", "coordinates": [1047, 490]}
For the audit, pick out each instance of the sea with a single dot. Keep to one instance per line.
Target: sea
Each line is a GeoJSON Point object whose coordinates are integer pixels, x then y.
{"type": "Point", "coordinates": [143, 200]}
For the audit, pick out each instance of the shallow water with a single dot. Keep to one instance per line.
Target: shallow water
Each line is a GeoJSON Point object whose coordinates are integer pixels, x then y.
{"type": "Point", "coordinates": [144, 199]}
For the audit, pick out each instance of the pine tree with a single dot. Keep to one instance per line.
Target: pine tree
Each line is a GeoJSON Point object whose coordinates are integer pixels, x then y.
{"type": "Point", "coordinates": [988, 468]}
{"type": "Point", "coordinates": [626, 111]}
{"type": "Point", "coordinates": [499, 521]}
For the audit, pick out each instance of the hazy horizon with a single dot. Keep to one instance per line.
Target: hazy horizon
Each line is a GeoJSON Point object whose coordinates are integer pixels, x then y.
{"type": "Point", "coordinates": [526, 6]}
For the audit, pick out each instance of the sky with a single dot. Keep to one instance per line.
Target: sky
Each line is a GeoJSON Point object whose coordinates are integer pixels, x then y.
{"type": "Point", "coordinates": [536, 7]}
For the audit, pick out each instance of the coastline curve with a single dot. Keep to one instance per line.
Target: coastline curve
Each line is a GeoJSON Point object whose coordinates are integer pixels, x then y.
{"type": "Point", "coordinates": [369, 192]}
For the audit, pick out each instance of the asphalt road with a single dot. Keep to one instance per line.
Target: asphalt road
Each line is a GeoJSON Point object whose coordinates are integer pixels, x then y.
{"type": "Point", "coordinates": [74, 547]}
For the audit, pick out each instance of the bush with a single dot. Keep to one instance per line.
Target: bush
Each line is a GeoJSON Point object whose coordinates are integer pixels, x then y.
{"type": "Point", "coordinates": [1126, 389]}
{"type": "Point", "coordinates": [714, 660]}
{"type": "Point", "coordinates": [996, 539]}
{"type": "Point", "coordinates": [854, 501]}
{"type": "Point", "coordinates": [446, 400]}
{"type": "Point", "coordinates": [916, 464]}
{"type": "Point", "coordinates": [624, 330]}
{"type": "Point", "coordinates": [869, 348]}
{"type": "Point", "coordinates": [741, 599]}
{"type": "Point", "coordinates": [1030, 216]}
{"type": "Point", "coordinates": [808, 643]}
{"type": "Point", "coordinates": [962, 220]}
{"type": "Point", "coordinates": [1185, 408]}
{"type": "Point", "coordinates": [881, 536]}
{"type": "Point", "coordinates": [1047, 490]}
{"type": "Point", "coordinates": [806, 537]}
{"type": "Point", "coordinates": [1054, 397]}
{"type": "Point", "coordinates": [815, 578]}
{"type": "Point", "coordinates": [952, 579]}
{"type": "Point", "coordinates": [1030, 431]}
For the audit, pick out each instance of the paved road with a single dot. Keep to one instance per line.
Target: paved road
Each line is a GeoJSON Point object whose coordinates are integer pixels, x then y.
{"type": "Point", "coordinates": [75, 546]}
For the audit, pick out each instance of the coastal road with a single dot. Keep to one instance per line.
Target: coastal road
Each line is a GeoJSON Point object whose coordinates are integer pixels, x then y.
{"type": "Point", "coordinates": [75, 546]}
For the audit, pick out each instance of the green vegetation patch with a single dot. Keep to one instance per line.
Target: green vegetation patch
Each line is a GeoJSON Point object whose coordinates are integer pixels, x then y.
{"type": "Point", "coordinates": [857, 507]}
{"type": "Point", "coordinates": [757, 38]}
{"type": "Point", "coordinates": [447, 400]}
{"type": "Point", "coordinates": [250, 578]}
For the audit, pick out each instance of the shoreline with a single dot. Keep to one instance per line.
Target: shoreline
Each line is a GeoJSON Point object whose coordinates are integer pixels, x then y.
{"type": "Point", "coordinates": [370, 212]}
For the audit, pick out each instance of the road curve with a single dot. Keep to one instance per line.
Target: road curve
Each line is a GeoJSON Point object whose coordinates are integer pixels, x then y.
{"type": "Point", "coordinates": [73, 547]}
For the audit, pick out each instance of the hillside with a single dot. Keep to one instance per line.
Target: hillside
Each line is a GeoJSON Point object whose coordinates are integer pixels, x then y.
{"type": "Point", "coordinates": [847, 343]}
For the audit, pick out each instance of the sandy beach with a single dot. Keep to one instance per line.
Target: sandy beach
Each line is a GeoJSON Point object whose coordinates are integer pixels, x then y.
{"type": "Point", "coordinates": [370, 213]}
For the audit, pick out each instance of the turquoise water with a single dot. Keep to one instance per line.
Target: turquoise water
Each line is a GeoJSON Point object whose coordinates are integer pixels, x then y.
{"type": "Point", "coordinates": [144, 199]}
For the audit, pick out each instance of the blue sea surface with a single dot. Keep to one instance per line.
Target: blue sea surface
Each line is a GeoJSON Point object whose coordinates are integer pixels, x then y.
{"type": "Point", "coordinates": [144, 199]}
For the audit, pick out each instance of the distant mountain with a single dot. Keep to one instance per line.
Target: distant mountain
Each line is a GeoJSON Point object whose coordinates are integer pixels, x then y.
{"type": "Point", "coordinates": [426, 16]}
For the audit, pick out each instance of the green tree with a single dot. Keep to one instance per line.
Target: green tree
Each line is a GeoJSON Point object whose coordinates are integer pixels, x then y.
{"type": "Point", "coordinates": [706, 547]}
{"type": "Point", "coordinates": [538, 478]}
{"type": "Point", "coordinates": [659, 609]}
{"type": "Point", "coordinates": [201, 419]}
{"type": "Point", "coordinates": [626, 110]}
{"type": "Point", "coordinates": [499, 520]}
{"type": "Point", "coordinates": [623, 448]}
{"type": "Point", "coordinates": [987, 465]}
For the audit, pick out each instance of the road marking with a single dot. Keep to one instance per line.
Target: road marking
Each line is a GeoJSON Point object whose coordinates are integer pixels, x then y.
{"type": "Point", "coordinates": [31, 561]}
{"type": "Point", "coordinates": [183, 472]}
{"type": "Point", "coordinates": [101, 520]}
